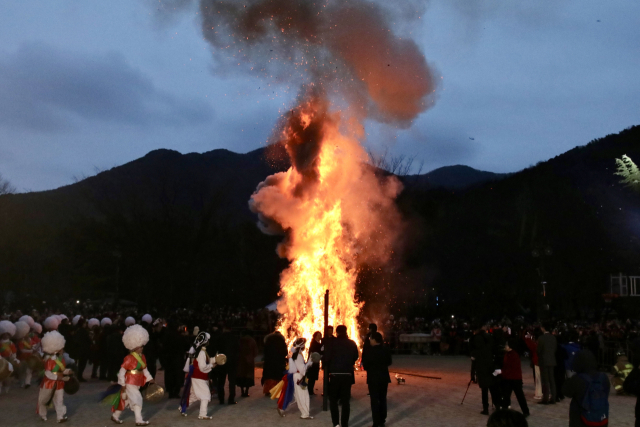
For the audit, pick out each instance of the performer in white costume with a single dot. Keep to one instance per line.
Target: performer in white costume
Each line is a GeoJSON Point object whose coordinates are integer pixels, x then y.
{"type": "Point", "coordinates": [197, 367]}
{"type": "Point", "coordinates": [298, 367]}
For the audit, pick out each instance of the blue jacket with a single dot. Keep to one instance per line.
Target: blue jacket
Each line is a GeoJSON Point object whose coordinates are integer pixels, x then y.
{"type": "Point", "coordinates": [572, 348]}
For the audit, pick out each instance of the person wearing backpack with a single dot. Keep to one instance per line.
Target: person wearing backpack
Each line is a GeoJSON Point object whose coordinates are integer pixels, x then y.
{"type": "Point", "coordinates": [632, 386]}
{"type": "Point", "coordinates": [589, 392]}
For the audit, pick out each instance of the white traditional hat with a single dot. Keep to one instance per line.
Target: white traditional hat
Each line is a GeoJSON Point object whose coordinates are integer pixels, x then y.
{"type": "Point", "coordinates": [7, 327]}
{"type": "Point", "coordinates": [52, 342]}
{"type": "Point", "coordinates": [51, 323]}
{"type": "Point", "coordinates": [93, 322]}
{"type": "Point", "coordinates": [104, 322]}
{"type": "Point", "coordinates": [37, 327]}
{"type": "Point", "coordinates": [22, 329]}
{"type": "Point", "coordinates": [147, 318]}
{"type": "Point", "coordinates": [76, 319]}
{"type": "Point", "coordinates": [28, 319]}
{"type": "Point", "coordinates": [135, 336]}
{"type": "Point", "coordinates": [129, 321]}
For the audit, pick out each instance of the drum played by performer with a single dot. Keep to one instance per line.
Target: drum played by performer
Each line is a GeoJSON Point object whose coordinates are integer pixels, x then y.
{"type": "Point", "coordinates": [196, 386]}
{"type": "Point", "coordinates": [55, 375]}
{"type": "Point", "coordinates": [133, 374]}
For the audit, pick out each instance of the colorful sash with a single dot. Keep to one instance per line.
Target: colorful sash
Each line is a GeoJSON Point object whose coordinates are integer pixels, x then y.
{"type": "Point", "coordinates": [141, 365]}
{"type": "Point", "coordinates": [186, 393]}
{"type": "Point", "coordinates": [6, 346]}
{"type": "Point", "coordinates": [117, 397]}
{"type": "Point", "coordinates": [284, 392]}
{"type": "Point", "coordinates": [59, 366]}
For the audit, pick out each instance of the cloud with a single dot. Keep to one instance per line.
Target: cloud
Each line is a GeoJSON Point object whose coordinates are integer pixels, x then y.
{"type": "Point", "coordinates": [46, 89]}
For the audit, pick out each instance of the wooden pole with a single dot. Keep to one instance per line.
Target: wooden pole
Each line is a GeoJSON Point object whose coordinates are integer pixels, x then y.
{"type": "Point", "coordinates": [325, 373]}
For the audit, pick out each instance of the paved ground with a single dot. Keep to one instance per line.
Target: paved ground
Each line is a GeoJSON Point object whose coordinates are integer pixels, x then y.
{"type": "Point", "coordinates": [420, 402]}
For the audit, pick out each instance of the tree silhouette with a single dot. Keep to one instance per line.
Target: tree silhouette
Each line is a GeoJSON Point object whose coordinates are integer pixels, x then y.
{"type": "Point", "coordinates": [629, 171]}
{"type": "Point", "coordinates": [6, 187]}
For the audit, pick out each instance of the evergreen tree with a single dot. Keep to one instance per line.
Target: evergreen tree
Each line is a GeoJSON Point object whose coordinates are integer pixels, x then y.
{"type": "Point", "coordinates": [629, 171]}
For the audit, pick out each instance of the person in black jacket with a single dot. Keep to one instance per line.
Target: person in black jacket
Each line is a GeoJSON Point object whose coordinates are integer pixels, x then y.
{"type": "Point", "coordinates": [116, 352]}
{"type": "Point", "coordinates": [576, 387]}
{"type": "Point", "coordinates": [483, 368]}
{"type": "Point", "coordinates": [559, 371]}
{"type": "Point", "coordinates": [376, 362]}
{"type": "Point", "coordinates": [107, 329]}
{"type": "Point", "coordinates": [366, 345]}
{"type": "Point", "coordinates": [339, 357]}
{"type": "Point", "coordinates": [229, 345]}
{"type": "Point", "coordinates": [151, 349]}
{"type": "Point", "coordinates": [314, 370]}
{"type": "Point", "coordinates": [632, 386]}
{"type": "Point", "coordinates": [632, 382]}
{"type": "Point", "coordinates": [275, 360]}
{"type": "Point", "coordinates": [174, 347]}
{"type": "Point", "coordinates": [83, 347]}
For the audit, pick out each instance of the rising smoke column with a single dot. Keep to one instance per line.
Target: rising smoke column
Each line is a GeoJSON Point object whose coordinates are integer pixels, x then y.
{"type": "Point", "coordinates": [347, 46]}
{"type": "Point", "coordinates": [333, 210]}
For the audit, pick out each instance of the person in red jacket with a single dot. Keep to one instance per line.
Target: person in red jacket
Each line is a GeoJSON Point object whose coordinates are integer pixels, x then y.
{"type": "Point", "coordinates": [532, 345]}
{"type": "Point", "coordinates": [512, 378]}
{"type": "Point", "coordinates": [55, 374]}
{"type": "Point", "coordinates": [133, 374]}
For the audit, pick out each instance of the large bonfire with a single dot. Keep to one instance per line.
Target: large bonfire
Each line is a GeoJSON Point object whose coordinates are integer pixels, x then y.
{"type": "Point", "coordinates": [335, 212]}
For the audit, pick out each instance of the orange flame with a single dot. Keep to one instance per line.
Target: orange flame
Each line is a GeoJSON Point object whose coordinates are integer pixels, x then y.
{"type": "Point", "coordinates": [328, 205]}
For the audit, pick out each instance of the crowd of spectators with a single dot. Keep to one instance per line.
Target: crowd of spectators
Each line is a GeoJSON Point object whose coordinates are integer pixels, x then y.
{"type": "Point", "coordinates": [260, 321]}
{"type": "Point", "coordinates": [451, 336]}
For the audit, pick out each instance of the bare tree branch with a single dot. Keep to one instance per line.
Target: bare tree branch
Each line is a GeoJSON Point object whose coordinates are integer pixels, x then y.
{"type": "Point", "coordinates": [6, 187]}
{"type": "Point", "coordinates": [400, 165]}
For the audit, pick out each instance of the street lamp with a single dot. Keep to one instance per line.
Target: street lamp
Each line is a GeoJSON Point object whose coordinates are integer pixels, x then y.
{"type": "Point", "coordinates": [541, 253]}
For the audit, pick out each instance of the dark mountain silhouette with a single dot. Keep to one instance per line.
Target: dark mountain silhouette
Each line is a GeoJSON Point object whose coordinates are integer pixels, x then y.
{"type": "Point", "coordinates": [474, 250]}
{"type": "Point", "coordinates": [453, 177]}
{"type": "Point", "coordinates": [174, 229]}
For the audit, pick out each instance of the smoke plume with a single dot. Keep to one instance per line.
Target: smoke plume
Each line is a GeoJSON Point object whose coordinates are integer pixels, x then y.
{"type": "Point", "coordinates": [346, 46]}
{"type": "Point", "coordinates": [336, 212]}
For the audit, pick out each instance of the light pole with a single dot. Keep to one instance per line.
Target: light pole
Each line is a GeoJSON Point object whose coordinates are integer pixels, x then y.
{"type": "Point", "coordinates": [541, 253]}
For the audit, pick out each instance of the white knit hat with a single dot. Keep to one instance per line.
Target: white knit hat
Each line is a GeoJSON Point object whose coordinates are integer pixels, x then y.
{"type": "Point", "coordinates": [129, 321]}
{"type": "Point", "coordinates": [7, 327]}
{"type": "Point", "coordinates": [106, 321]}
{"type": "Point", "coordinates": [93, 322]}
{"type": "Point", "coordinates": [28, 319]}
{"type": "Point", "coordinates": [147, 318]}
{"type": "Point", "coordinates": [51, 323]}
{"type": "Point", "coordinates": [52, 342]}
{"type": "Point", "coordinates": [76, 319]}
{"type": "Point", "coordinates": [37, 327]}
{"type": "Point", "coordinates": [135, 336]}
{"type": "Point", "coordinates": [22, 329]}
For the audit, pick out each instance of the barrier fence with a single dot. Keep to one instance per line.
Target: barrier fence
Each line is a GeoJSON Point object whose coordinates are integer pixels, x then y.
{"type": "Point", "coordinates": [425, 344]}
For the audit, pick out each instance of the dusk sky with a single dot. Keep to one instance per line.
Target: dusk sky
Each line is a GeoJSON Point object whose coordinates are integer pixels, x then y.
{"type": "Point", "coordinates": [86, 86]}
